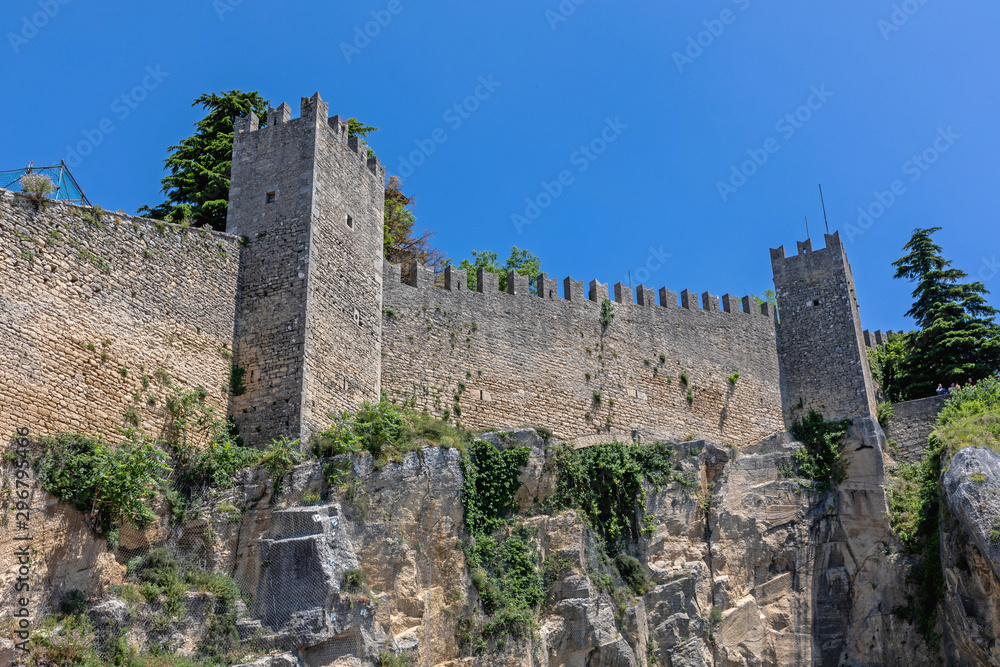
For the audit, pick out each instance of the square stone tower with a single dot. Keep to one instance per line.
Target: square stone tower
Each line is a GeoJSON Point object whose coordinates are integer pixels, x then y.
{"type": "Point", "coordinates": [821, 348]}
{"type": "Point", "coordinates": [309, 202]}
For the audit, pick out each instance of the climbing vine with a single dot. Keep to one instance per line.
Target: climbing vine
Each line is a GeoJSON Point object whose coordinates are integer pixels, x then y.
{"type": "Point", "coordinates": [821, 459]}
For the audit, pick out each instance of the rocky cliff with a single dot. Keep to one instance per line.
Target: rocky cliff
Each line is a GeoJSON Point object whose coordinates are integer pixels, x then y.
{"type": "Point", "coordinates": [727, 559]}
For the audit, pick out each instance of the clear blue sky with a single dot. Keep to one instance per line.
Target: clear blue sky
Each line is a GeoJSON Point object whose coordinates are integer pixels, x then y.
{"type": "Point", "coordinates": [680, 116]}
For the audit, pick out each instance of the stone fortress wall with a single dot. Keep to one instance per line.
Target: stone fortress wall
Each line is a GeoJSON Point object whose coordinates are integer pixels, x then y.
{"type": "Point", "coordinates": [510, 359]}
{"type": "Point", "coordinates": [299, 297]}
{"type": "Point", "coordinates": [98, 313]}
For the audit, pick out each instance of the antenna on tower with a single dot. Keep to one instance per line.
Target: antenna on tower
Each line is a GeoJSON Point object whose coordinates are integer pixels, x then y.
{"type": "Point", "coordinates": [824, 208]}
{"type": "Point", "coordinates": [807, 228]}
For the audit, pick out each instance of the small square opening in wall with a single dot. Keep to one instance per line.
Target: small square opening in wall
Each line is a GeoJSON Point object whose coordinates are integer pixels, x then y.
{"type": "Point", "coordinates": [271, 196]}
{"type": "Point", "coordinates": [350, 222]}
{"type": "Point", "coordinates": [815, 302]}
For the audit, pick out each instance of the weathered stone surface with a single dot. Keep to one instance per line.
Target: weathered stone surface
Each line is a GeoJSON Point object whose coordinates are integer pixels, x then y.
{"type": "Point", "coordinates": [88, 309]}
{"type": "Point", "coordinates": [910, 426]}
{"type": "Point", "coordinates": [972, 486]}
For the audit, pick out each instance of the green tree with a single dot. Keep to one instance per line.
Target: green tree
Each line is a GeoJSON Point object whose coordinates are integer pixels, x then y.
{"type": "Point", "coordinates": [522, 261]}
{"type": "Point", "coordinates": [887, 362]}
{"type": "Point", "coordinates": [938, 285]}
{"type": "Point", "coordinates": [958, 337]}
{"type": "Point", "coordinates": [197, 187]}
{"type": "Point", "coordinates": [355, 128]}
{"type": "Point", "coordinates": [400, 243]}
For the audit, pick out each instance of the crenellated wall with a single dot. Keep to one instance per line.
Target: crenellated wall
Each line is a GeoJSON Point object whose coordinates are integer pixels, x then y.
{"type": "Point", "coordinates": [97, 315]}
{"type": "Point", "coordinates": [298, 297]}
{"type": "Point", "coordinates": [520, 358]}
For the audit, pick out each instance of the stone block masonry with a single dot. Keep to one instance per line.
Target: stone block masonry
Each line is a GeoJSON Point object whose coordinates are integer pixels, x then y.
{"type": "Point", "coordinates": [911, 425]}
{"type": "Point", "coordinates": [310, 200]}
{"type": "Point", "coordinates": [515, 359]}
{"type": "Point", "coordinates": [824, 362]}
{"type": "Point", "coordinates": [98, 314]}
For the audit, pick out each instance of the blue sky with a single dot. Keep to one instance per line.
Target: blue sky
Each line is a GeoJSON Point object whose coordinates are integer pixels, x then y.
{"type": "Point", "coordinates": [642, 110]}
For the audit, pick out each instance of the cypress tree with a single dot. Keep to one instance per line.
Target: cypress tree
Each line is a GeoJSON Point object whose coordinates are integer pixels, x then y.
{"type": "Point", "coordinates": [958, 337]}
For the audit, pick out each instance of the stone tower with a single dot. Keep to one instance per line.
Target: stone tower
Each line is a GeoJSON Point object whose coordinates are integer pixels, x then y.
{"type": "Point", "coordinates": [309, 201]}
{"type": "Point", "coordinates": [822, 356]}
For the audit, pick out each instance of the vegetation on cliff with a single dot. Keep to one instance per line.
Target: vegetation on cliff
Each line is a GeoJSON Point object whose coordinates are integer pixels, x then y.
{"type": "Point", "coordinates": [970, 418]}
{"type": "Point", "coordinates": [116, 483]}
{"type": "Point", "coordinates": [822, 457]}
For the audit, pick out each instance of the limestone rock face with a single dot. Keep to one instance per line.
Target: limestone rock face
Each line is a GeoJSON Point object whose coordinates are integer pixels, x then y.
{"type": "Point", "coordinates": [972, 487]}
{"type": "Point", "coordinates": [747, 566]}
{"type": "Point", "coordinates": [970, 557]}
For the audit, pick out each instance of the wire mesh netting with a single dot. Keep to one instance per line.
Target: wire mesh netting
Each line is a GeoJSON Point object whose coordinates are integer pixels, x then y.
{"type": "Point", "coordinates": [66, 187]}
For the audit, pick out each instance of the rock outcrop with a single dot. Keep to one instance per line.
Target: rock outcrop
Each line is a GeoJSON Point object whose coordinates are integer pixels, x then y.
{"type": "Point", "coordinates": [745, 565]}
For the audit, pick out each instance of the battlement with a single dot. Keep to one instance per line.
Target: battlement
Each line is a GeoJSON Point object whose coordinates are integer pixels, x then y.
{"type": "Point", "coordinates": [877, 338]}
{"type": "Point", "coordinates": [456, 280]}
{"type": "Point", "coordinates": [804, 248]}
{"type": "Point", "coordinates": [319, 323]}
{"type": "Point", "coordinates": [819, 311]}
{"type": "Point", "coordinates": [313, 114]}
{"type": "Point", "coordinates": [504, 358]}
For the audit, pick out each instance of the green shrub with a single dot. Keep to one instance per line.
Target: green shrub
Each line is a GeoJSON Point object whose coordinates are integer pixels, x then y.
{"type": "Point", "coordinates": [821, 459]}
{"type": "Point", "coordinates": [75, 602]}
{"type": "Point", "coordinates": [914, 496]}
{"type": "Point", "coordinates": [90, 474]}
{"type": "Point", "coordinates": [734, 378]}
{"type": "Point", "coordinates": [632, 572]}
{"type": "Point", "coordinates": [387, 659]}
{"type": "Point", "coordinates": [971, 418]}
{"type": "Point", "coordinates": [607, 313]}
{"type": "Point", "coordinates": [508, 580]}
{"type": "Point", "coordinates": [279, 459]}
{"type": "Point", "coordinates": [489, 483]}
{"type": "Point", "coordinates": [236, 385]}
{"type": "Point", "coordinates": [884, 414]}
{"type": "Point", "coordinates": [356, 580]}
{"type": "Point", "coordinates": [605, 482]}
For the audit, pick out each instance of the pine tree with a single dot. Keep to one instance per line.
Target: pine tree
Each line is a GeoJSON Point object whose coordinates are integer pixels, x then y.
{"type": "Point", "coordinates": [958, 337]}
{"type": "Point", "coordinates": [197, 187]}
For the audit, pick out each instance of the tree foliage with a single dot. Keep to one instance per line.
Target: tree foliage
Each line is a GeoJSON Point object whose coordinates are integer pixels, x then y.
{"type": "Point", "coordinates": [821, 459]}
{"type": "Point", "coordinates": [524, 262]}
{"type": "Point", "coordinates": [958, 337]}
{"type": "Point", "coordinates": [200, 166]}
{"type": "Point", "coordinates": [401, 244]}
{"type": "Point", "coordinates": [116, 483]}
